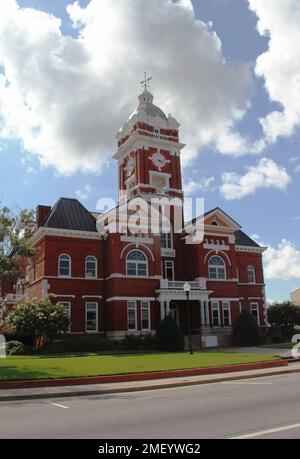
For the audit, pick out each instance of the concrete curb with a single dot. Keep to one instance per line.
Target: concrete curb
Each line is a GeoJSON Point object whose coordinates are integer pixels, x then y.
{"type": "Point", "coordinates": [139, 388]}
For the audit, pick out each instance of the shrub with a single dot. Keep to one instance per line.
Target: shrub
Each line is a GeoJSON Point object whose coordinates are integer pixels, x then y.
{"type": "Point", "coordinates": [246, 331]}
{"type": "Point", "coordinates": [15, 348]}
{"type": "Point", "coordinates": [169, 336]}
{"type": "Point", "coordinates": [276, 335]}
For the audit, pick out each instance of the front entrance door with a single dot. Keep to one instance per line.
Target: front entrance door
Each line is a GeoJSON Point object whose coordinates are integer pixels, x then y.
{"type": "Point", "coordinates": [174, 310]}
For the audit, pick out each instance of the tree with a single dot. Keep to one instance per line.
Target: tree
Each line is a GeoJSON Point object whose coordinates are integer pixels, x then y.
{"type": "Point", "coordinates": [37, 319]}
{"type": "Point", "coordinates": [169, 336]}
{"type": "Point", "coordinates": [15, 231]}
{"type": "Point", "coordinates": [285, 316]}
{"type": "Point", "coordinates": [246, 330]}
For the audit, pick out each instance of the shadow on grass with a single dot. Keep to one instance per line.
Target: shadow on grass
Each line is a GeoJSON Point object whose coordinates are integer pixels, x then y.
{"type": "Point", "coordinates": [16, 373]}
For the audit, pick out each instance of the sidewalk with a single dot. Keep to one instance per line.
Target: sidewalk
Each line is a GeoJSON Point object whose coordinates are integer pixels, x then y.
{"type": "Point", "coordinates": [7, 395]}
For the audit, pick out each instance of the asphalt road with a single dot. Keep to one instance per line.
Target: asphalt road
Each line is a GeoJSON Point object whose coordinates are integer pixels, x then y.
{"type": "Point", "coordinates": [266, 407]}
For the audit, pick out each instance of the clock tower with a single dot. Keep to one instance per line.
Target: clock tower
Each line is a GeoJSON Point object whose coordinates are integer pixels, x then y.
{"type": "Point", "coordinates": [149, 151]}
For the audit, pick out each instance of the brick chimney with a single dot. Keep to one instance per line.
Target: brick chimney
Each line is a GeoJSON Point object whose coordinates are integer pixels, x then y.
{"type": "Point", "coordinates": [42, 213]}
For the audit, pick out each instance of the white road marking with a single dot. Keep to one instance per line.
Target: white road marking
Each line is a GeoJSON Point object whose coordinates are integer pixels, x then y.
{"type": "Point", "coordinates": [266, 432]}
{"type": "Point", "coordinates": [58, 405]}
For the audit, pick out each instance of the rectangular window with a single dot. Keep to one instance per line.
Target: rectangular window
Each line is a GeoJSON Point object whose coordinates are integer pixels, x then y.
{"type": "Point", "coordinates": [131, 316]}
{"type": "Point", "coordinates": [91, 317]}
{"type": "Point", "coordinates": [169, 270]}
{"type": "Point", "coordinates": [255, 311]}
{"type": "Point", "coordinates": [67, 307]}
{"type": "Point", "coordinates": [145, 315]}
{"type": "Point", "coordinates": [166, 241]}
{"type": "Point", "coordinates": [226, 314]}
{"type": "Point", "coordinates": [216, 314]}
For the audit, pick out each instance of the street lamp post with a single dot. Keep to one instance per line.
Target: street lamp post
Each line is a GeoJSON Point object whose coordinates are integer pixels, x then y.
{"type": "Point", "coordinates": [187, 288]}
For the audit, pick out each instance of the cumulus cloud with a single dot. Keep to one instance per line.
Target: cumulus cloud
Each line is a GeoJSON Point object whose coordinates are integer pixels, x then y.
{"type": "Point", "coordinates": [84, 193]}
{"type": "Point", "coordinates": [280, 64]}
{"type": "Point", "coordinates": [191, 185]}
{"type": "Point", "coordinates": [65, 97]}
{"type": "Point", "coordinates": [267, 174]}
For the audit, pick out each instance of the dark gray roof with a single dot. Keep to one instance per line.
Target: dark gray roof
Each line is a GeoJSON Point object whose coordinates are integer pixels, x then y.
{"type": "Point", "coordinates": [242, 239]}
{"type": "Point", "coordinates": [153, 110]}
{"type": "Point", "coordinates": [71, 214]}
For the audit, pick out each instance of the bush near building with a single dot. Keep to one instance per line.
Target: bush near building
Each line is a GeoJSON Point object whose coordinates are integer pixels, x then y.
{"type": "Point", "coordinates": [246, 331]}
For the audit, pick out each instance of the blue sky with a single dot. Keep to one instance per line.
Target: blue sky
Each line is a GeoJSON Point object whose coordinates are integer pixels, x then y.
{"type": "Point", "coordinates": [270, 211]}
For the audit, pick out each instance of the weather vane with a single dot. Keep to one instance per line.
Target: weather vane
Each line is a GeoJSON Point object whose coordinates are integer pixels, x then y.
{"type": "Point", "coordinates": [146, 82]}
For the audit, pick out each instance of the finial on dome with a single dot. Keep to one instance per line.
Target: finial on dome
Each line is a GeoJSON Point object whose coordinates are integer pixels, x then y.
{"type": "Point", "coordinates": [146, 82]}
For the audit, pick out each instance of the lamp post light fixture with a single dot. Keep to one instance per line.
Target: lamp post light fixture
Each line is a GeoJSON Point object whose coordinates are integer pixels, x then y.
{"type": "Point", "coordinates": [187, 288]}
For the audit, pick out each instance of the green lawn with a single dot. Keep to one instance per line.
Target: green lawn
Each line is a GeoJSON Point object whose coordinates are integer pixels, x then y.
{"type": "Point", "coordinates": [17, 368]}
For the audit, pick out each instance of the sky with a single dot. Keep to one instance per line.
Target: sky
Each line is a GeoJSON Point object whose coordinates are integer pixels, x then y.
{"type": "Point", "coordinates": [228, 70]}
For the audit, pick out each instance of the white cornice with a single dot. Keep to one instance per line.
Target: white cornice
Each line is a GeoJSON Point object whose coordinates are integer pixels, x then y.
{"type": "Point", "coordinates": [244, 248]}
{"type": "Point", "coordinates": [43, 231]}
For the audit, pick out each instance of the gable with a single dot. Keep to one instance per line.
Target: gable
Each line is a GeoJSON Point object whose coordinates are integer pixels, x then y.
{"type": "Point", "coordinates": [222, 219]}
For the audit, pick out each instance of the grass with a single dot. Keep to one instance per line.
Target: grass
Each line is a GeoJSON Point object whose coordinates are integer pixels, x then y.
{"type": "Point", "coordinates": [64, 366]}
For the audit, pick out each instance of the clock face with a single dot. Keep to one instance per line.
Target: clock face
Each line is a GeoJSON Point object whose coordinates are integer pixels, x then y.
{"type": "Point", "coordinates": [129, 167]}
{"type": "Point", "coordinates": [159, 160]}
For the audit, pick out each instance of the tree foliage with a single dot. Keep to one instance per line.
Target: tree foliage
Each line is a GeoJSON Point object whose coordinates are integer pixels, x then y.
{"type": "Point", "coordinates": [246, 331]}
{"type": "Point", "coordinates": [15, 231]}
{"type": "Point", "coordinates": [169, 336]}
{"type": "Point", "coordinates": [285, 316]}
{"type": "Point", "coordinates": [37, 319]}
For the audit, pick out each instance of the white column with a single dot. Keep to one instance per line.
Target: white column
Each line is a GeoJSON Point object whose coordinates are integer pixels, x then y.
{"type": "Point", "coordinates": [207, 313]}
{"type": "Point", "coordinates": [168, 310]}
{"type": "Point", "coordinates": [162, 310]}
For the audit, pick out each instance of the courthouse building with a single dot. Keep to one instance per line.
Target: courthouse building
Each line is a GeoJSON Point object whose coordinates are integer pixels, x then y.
{"type": "Point", "coordinates": [117, 283]}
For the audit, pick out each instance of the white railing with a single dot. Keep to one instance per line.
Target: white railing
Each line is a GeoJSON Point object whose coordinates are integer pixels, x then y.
{"type": "Point", "coordinates": [178, 285]}
{"type": "Point", "coordinates": [13, 297]}
{"type": "Point", "coordinates": [168, 253]}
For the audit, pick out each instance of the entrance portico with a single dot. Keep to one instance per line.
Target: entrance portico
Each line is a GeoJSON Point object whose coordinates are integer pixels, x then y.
{"type": "Point", "coordinates": [172, 299]}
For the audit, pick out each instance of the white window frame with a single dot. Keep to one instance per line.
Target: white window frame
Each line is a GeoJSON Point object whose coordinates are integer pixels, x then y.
{"type": "Point", "coordinates": [94, 303]}
{"type": "Point", "coordinates": [169, 240]}
{"type": "Point", "coordinates": [145, 305]}
{"type": "Point", "coordinates": [68, 308]}
{"type": "Point", "coordinates": [255, 306]}
{"type": "Point", "coordinates": [215, 306]}
{"type": "Point", "coordinates": [70, 265]}
{"type": "Point", "coordinates": [171, 263]}
{"type": "Point", "coordinates": [254, 275]}
{"type": "Point", "coordinates": [96, 267]}
{"type": "Point", "coordinates": [136, 264]}
{"type": "Point", "coordinates": [226, 306]}
{"type": "Point", "coordinates": [217, 267]}
{"type": "Point", "coordinates": [132, 306]}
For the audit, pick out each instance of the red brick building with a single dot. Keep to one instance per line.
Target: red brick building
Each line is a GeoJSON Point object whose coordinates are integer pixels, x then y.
{"type": "Point", "coordinates": [120, 282]}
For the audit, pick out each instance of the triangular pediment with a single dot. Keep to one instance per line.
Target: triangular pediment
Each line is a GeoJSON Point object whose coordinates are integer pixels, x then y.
{"type": "Point", "coordinates": [218, 218]}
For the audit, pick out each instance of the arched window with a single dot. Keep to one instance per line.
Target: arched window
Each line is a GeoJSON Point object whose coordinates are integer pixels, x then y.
{"type": "Point", "coordinates": [136, 264]}
{"type": "Point", "coordinates": [91, 267]}
{"type": "Point", "coordinates": [216, 269]}
{"type": "Point", "coordinates": [64, 265]}
{"type": "Point", "coordinates": [251, 275]}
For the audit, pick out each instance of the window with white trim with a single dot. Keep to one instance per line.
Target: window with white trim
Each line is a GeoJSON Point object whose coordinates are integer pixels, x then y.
{"type": "Point", "coordinates": [145, 315]}
{"type": "Point", "coordinates": [226, 314]}
{"type": "Point", "coordinates": [166, 241]}
{"type": "Point", "coordinates": [131, 316]}
{"type": "Point", "coordinates": [91, 317]}
{"type": "Point", "coordinates": [136, 264]}
{"type": "Point", "coordinates": [67, 307]}
{"type": "Point", "coordinates": [64, 265]}
{"type": "Point", "coordinates": [215, 314]}
{"type": "Point", "coordinates": [169, 270]}
{"type": "Point", "coordinates": [91, 267]}
{"type": "Point", "coordinates": [251, 275]}
{"type": "Point", "coordinates": [254, 308]}
{"type": "Point", "coordinates": [216, 268]}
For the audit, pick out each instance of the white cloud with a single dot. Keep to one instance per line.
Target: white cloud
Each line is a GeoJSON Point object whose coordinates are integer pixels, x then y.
{"type": "Point", "coordinates": [267, 174]}
{"type": "Point", "coordinates": [192, 186]}
{"type": "Point", "coordinates": [280, 64]}
{"type": "Point", "coordinates": [65, 98]}
{"type": "Point", "coordinates": [84, 193]}
{"type": "Point", "coordinates": [282, 262]}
